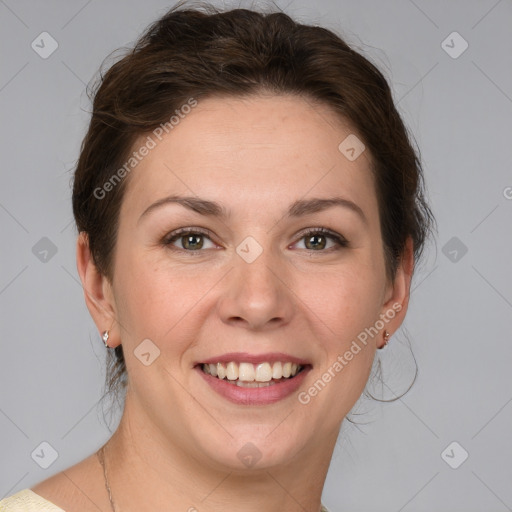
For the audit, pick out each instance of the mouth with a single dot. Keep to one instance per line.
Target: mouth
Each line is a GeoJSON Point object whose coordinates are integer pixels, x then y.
{"type": "Point", "coordinates": [250, 375]}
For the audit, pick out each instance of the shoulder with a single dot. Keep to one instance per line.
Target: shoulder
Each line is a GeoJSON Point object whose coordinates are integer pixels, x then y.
{"type": "Point", "coordinates": [79, 488]}
{"type": "Point", "coordinates": [27, 501]}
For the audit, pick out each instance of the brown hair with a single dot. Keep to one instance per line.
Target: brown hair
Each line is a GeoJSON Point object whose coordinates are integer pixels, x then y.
{"type": "Point", "coordinates": [202, 52]}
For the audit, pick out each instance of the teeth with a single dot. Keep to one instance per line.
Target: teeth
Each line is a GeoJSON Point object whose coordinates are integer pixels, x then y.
{"type": "Point", "coordinates": [263, 372]}
{"type": "Point", "coordinates": [253, 384]}
{"type": "Point", "coordinates": [277, 370]}
{"type": "Point", "coordinates": [232, 371]}
{"type": "Point", "coordinates": [246, 374]}
{"type": "Point", "coordinates": [221, 371]}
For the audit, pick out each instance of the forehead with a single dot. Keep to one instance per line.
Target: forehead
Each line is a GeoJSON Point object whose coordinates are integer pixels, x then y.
{"type": "Point", "coordinates": [246, 151]}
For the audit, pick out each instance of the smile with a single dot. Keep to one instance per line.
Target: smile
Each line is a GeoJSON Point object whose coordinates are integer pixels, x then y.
{"type": "Point", "coordinates": [253, 375]}
{"type": "Point", "coordinates": [251, 389]}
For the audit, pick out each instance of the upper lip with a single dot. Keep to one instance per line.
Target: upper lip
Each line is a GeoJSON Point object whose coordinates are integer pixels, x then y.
{"type": "Point", "coordinates": [244, 357]}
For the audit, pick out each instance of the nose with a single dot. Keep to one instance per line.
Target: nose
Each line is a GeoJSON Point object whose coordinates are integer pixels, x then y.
{"type": "Point", "coordinates": [257, 295]}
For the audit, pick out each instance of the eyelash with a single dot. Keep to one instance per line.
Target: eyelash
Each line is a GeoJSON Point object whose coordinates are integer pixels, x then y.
{"type": "Point", "coordinates": [175, 235]}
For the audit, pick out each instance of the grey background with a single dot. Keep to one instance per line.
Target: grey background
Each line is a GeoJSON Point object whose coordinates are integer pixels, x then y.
{"type": "Point", "coordinates": [460, 112]}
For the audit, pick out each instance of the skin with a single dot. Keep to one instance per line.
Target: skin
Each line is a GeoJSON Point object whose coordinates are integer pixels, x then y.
{"type": "Point", "coordinates": [176, 446]}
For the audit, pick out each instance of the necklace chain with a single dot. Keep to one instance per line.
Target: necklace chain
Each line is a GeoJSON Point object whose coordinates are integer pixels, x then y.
{"type": "Point", "coordinates": [101, 457]}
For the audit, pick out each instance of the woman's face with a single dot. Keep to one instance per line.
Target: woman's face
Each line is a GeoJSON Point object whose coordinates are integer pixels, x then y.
{"type": "Point", "coordinates": [249, 279]}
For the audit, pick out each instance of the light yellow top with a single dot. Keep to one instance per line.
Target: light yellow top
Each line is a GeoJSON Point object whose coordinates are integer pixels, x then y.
{"type": "Point", "coordinates": [28, 501]}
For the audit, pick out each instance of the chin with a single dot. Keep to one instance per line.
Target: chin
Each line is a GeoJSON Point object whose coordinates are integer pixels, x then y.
{"type": "Point", "coordinates": [252, 453]}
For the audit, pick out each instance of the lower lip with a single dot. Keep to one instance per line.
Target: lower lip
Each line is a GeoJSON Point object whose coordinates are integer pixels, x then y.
{"type": "Point", "coordinates": [255, 396]}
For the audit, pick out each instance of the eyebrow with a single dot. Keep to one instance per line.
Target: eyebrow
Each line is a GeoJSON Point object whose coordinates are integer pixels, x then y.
{"type": "Point", "coordinates": [298, 208]}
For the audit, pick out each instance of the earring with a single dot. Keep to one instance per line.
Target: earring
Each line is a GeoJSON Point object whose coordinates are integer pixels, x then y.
{"type": "Point", "coordinates": [386, 339]}
{"type": "Point", "coordinates": [105, 338]}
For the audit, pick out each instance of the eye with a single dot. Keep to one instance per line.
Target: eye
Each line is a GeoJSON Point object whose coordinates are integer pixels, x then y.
{"type": "Point", "coordinates": [191, 239]}
{"type": "Point", "coordinates": [316, 240]}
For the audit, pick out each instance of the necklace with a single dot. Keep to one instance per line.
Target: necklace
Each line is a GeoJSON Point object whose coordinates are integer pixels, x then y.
{"type": "Point", "coordinates": [101, 457]}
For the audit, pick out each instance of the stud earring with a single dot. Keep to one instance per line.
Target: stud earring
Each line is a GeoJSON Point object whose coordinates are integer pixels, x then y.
{"type": "Point", "coordinates": [386, 339]}
{"type": "Point", "coordinates": [104, 337]}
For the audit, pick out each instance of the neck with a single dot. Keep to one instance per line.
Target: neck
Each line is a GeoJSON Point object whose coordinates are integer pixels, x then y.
{"type": "Point", "coordinates": [147, 472]}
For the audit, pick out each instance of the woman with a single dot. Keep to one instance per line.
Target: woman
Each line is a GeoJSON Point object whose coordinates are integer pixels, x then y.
{"type": "Point", "coordinates": [250, 211]}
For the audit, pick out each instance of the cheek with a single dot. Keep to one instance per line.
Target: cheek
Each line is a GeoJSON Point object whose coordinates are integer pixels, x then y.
{"type": "Point", "coordinates": [345, 300]}
{"type": "Point", "coordinates": [156, 301]}
{"type": "Point", "coordinates": [141, 293]}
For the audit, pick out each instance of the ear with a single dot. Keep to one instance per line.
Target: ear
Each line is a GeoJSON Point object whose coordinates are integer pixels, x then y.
{"type": "Point", "coordinates": [399, 291]}
{"type": "Point", "coordinates": [98, 291]}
